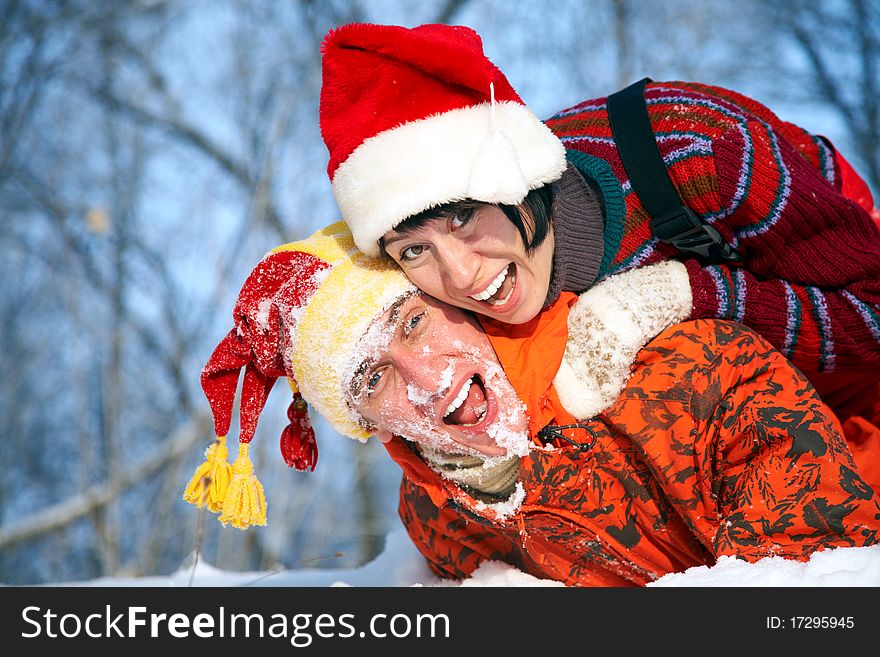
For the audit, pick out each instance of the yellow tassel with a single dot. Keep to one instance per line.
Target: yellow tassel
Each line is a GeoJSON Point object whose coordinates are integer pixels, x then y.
{"type": "Point", "coordinates": [245, 503]}
{"type": "Point", "coordinates": [211, 479]}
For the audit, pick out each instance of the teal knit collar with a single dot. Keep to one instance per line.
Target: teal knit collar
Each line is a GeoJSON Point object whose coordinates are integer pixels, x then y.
{"type": "Point", "coordinates": [600, 172]}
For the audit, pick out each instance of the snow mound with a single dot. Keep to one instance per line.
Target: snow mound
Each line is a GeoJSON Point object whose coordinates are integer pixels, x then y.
{"type": "Point", "coordinates": [836, 567]}
{"type": "Point", "coordinates": [401, 565]}
{"type": "Point", "coordinates": [495, 573]}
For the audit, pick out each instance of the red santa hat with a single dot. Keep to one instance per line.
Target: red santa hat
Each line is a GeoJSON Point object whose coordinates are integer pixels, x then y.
{"type": "Point", "coordinates": [414, 118]}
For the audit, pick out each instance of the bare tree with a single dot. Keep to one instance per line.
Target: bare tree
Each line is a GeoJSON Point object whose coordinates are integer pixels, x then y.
{"type": "Point", "coordinates": [152, 151]}
{"type": "Point", "coordinates": [840, 43]}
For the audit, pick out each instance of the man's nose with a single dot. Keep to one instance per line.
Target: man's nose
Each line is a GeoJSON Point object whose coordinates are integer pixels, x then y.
{"type": "Point", "coordinates": [423, 371]}
{"type": "Point", "coordinates": [459, 266]}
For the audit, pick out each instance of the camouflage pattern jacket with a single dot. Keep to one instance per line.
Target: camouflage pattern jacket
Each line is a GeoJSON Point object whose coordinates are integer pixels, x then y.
{"type": "Point", "coordinates": [716, 446]}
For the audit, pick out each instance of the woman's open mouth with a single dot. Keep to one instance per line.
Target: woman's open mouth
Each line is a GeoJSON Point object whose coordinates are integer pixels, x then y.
{"type": "Point", "coordinates": [500, 289]}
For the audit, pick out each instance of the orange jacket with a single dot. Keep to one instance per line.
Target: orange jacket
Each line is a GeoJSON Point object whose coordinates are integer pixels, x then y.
{"type": "Point", "coordinates": [717, 446]}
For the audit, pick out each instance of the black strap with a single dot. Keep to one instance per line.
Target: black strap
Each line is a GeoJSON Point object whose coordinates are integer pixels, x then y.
{"type": "Point", "coordinates": [671, 220]}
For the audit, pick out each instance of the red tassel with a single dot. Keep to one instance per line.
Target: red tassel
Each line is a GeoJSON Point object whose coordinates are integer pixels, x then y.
{"type": "Point", "coordinates": [298, 445]}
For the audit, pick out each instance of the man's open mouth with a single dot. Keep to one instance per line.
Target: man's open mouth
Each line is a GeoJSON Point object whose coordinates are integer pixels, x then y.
{"type": "Point", "coordinates": [469, 406]}
{"type": "Point", "coordinates": [499, 290]}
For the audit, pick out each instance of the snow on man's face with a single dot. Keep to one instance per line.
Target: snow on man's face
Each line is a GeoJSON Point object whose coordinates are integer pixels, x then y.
{"type": "Point", "coordinates": [426, 371]}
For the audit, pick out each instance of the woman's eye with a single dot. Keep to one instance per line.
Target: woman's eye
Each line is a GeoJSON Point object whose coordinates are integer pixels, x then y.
{"type": "Point", "coordinates": [412, 252]}
{"type": "Point", "coordinates": [460, 219]}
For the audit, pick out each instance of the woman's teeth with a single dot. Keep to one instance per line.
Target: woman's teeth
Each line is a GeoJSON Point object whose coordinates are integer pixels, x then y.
{"type": "Point", "coordinates": [460, 397]}
{"type": "Point", "coordinates": [493, 286]}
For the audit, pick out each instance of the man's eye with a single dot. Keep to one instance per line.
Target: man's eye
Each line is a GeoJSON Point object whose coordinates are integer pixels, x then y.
{"type": "Point", "coordinates": [412, 321]}
{"type": "Point", "coordinates": [412, 252]}
{"type": "Point", "coordinates": [374, 380]}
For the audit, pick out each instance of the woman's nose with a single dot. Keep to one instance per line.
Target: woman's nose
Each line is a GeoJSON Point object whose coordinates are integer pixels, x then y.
{"type": "Point", "coordinates": [459, 266]}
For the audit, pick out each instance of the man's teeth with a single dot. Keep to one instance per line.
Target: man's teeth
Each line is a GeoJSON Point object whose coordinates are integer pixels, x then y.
{"type": "Point", "coordinates": [493, 287]}
{"type": "Point", "coordinates": [459, 400]}
{"type": "Point", "coordinates": [460, 397]}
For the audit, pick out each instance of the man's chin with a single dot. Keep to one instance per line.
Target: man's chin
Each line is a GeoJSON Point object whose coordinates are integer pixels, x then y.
{"type": "Point", "coordinates": [483, 446]}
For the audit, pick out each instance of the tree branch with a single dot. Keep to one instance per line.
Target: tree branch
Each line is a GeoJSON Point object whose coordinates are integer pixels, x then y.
{"type": "Point", "coordinates": [194, 138]}
{"type": "Point", "coordinates": [96, 497]}
{"type": "Point", "coordinates": [447, 13]}
{"type": "Point", "coordinates": [823, 75]}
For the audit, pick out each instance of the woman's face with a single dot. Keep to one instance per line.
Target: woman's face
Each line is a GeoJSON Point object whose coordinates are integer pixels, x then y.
{"type": "Point", "coordinates": [478, 263]}
{"type": "Point", "coordinates": [426, 371]}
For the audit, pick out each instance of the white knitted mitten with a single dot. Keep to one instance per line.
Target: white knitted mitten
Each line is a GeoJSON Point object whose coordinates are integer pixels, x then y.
{"type": "Point", "coordinates": [609, 324]}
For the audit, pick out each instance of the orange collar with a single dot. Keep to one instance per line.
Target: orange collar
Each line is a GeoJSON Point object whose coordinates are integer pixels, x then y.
{"type": "Point", "coordinates": [530, 354]}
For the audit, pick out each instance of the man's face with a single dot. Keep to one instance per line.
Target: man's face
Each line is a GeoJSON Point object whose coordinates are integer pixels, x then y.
{"type": "Point", "coordinates": [426, 371]}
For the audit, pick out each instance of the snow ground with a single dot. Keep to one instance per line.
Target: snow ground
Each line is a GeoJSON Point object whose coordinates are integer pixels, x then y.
{"type": "Point", "coordinates": [401, 565]}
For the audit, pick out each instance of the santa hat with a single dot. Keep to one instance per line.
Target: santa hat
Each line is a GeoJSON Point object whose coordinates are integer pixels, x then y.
{"type": "Point", "coordinates": [299, 314]}
{"type": "Point", "coordinates": [414, 118]}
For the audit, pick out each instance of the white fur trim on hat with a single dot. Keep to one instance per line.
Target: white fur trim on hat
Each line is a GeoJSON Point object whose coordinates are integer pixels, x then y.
{"type": "Point", "coordinates": [609, 324]}
{"type": "Point", "coordinates": [446, 157]}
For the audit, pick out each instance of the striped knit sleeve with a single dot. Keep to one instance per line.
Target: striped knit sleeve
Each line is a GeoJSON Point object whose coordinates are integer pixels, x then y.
{"type": "Point", "coordinates": [821, 154]}
{"type": "Point", "coordinates": [817, 150]}
{"type": "Point", "coordinates": [830, 163]}
{"type": "Point", "coordinates": [817, 329]}
{"type": "Point", "coordinates": [810, 278]}
{"type": "Point", "coordinates": [786, 219]}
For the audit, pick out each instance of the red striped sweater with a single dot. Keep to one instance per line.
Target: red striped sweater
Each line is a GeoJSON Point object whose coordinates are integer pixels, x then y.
{"type": "Point", "coordinates": [810, 277]}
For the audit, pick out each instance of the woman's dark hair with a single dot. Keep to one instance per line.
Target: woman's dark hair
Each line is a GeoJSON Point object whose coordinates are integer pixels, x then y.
{"type": "Point", "coordinates": [536, 206]}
